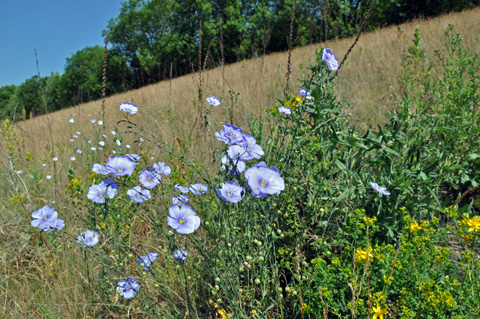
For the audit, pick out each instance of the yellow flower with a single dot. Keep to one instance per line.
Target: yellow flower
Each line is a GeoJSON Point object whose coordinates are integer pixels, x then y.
{"type": "Point", "coordinates": [378, 312]}
{"type": "Point", "coordinates": [473, 224]}
{"type": "Point", "coordinates": [414, 227]}
{"type": "Point", "coordinates": [361, 255]}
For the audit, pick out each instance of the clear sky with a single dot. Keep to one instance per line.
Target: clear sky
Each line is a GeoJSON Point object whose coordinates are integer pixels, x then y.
{"type": "Point", "coordinates": [56, 28]}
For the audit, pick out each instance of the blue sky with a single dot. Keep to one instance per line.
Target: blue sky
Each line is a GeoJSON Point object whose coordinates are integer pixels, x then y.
{"type": "Point", "coordinates": [56, 28]}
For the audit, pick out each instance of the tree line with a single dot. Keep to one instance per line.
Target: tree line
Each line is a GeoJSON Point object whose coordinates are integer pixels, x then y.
{"type": "Point", "coordinates": [154, 40]}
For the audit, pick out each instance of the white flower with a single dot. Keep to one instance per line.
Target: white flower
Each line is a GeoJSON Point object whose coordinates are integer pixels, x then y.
{"type": "Point", "coordinates": [127, 146]}
{"type": "Point", "coordinates": [44, 165]}
{"type": "Point", "coordinates": [71, 120]}
{"type": "Point", "coordinates": [93, 148]}
{"type": "Point", "coordinates": [49, 177]}
{"type": "Point", "coordinates": [118, 142]}
{"type": "Point", "coordinates": [101, 143]}
{"type": "Point", "coordinates": [93, 120]}
{"type": "Point", "coordinates": [19, 171]}
{"type": "Point", "coordinates": [72, 158]}
{"type": "Point", "coordinates": [71, 140]}
{"type": "Point", "coordinates": [55, 159]}
{"type": "Point", "coordinates": [100, 122]}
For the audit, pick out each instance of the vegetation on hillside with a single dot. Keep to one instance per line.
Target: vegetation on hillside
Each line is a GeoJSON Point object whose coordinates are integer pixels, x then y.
{"type": "Point", "coordinates": [160, 39]}
{"type": "Point", "coordinates": [322, 220]}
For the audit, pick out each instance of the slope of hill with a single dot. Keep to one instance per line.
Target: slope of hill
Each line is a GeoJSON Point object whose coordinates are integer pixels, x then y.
{"type": "Point", "coordinates": [368, 80]}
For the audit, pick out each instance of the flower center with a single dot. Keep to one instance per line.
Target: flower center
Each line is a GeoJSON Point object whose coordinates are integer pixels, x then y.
{"type": "Point", "coordinates": [88, 239]}
{"type": "Point", "coordinates": [263, 183]}
{"type": "Point", "coordinates": [138, 196]}
{"type": "Point", "coordinates": [149, 179]}
{"type": "Point", "coordinates": [100, 195]}
{"type": "Point", "coordinates": [229, 194]}
{"type": "Point", "coordinates": [182, 221]}
{"type": "Point", "coordinates": [45, 218]}
{"type": "Point", "coordinates": [120, 170]}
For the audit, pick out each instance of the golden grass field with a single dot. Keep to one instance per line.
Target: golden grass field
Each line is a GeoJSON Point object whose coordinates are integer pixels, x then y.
{"type": "Point", "coordinates": [368, 80]}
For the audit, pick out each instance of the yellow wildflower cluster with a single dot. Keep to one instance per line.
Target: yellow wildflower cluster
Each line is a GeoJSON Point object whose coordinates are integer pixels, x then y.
{"type": "Point", "coordinates": [473, 224]}
{"type": "Point", "coordinates": [293, 102]}
{"type": "Point", "coordinates": [361, 255]}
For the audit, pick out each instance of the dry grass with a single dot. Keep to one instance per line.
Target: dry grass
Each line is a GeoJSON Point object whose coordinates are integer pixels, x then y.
{"type": "Point", "coordinates": [368, 80]}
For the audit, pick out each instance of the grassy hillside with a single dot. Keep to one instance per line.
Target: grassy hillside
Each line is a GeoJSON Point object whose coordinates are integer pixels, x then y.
{"type": "Point", "coordinates": [329, 242]}
{"type": "Point", "coordinates": [368, 80]}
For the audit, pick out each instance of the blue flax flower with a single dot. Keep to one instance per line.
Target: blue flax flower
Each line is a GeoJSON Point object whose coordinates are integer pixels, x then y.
{"type": "Point", "coordinates": [180, 255]}
{"type": "Point", "coordinates": [230, 134]}
{"type": "Point", "coordinates": [149, 178]}
{"type": "Point", "coordinates": [88, 238]}
{"type": "Point", "coordinates": [183, 219]}
{"type": "Point", "coordinates": [307, 94]}
{"type": "Point", "coordinates": [198, 188]}
{"type": "Point", "coordinates": [330, 59]}
{"type": "Point", "coordinates": [120, 166]}
{"type": "Point", "coordinates": [100, 169]}
{"type": "Point", "coordinates": [161, 168]}
{"type": "Point", "coordinates": [180, 199]}
{"type": "Point", "coordinates": [98, 193]}
{"type": "Point", "coordinates": [128, 287]}
{"type": "Point", "coordinates": [212, 100]}
{"type": "Point", "coordinates": [235, 166]}
{"type": "Point", "coordinates": [139, 195]}
{"type": "Point", "coordinates": [264, 181]}
{"type": "Point", "coordinates": [129, 108]}
{"type": "Point", "coordinates": [44, 217]}
{"type": "Point", "coordinates": [147, 260]}
{"type": "Point", "coordinates": [252, 149]}
{"type": "Point", "coordinates": [183, 189]}
{"type": "Point", "coordinates": [381, 190]}
{"type": "Point", "coordinates": [231, 192]}
{"type": "Point", "coordinates": [285, 110]}
{"type": "Point", "coordinates": [110, 183]}
{"type": "Point", "coordinates": [56, 225]}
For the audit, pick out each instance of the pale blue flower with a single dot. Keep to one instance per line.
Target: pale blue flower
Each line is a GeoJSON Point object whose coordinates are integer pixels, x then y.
{"type": "Point", "coordinates": [285, 110]}
{"type": "Point", "coordinates": [330, 59]}
{"type": "Point", "coordinates": [98, 193]}
{"type": "Point", "coordinates": [180, 255]}
{"type": "Point", "coordinates": [230, 134]}
{"type": "Point", "coordinates": [120, 166]}
{"type": "Point", "coordinates": [183, 189]}
{"type": "Point", "coordinates": [149, 178]}
{"type": "Point", "coordinates": [381, 190]}
{"type": "Point", "coordinates": [264, 181]}
{"type": "Point", "coordinates": [139, 195]}
{"type": "Point", "coordinates": [129, 108]}
{"type": "Point", "coordinates": [100, 169]}
{"type": "Point", "coordinates": [198, 189]}
{"type": "Point", "coordinates": [128, 288]}
{"type": "Point", "coordinates": [183, 219]}
{"type": "Point", "coordinates": [235, 166]}
{"type": "Point", "coordinates": [161, 168]}
{"type": "Point", "coordinates": [180, 199]}
{"type": "Point", "coordinates": [88, 238]}
{"type": "Point", "coordinates": [44, 217]}
{"type": "Point", "coordinates": [231, 192]}
{"type": "Point", "coordinates": [147, 260]}
{"type": "Point", "coordinates": [212, 100]}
